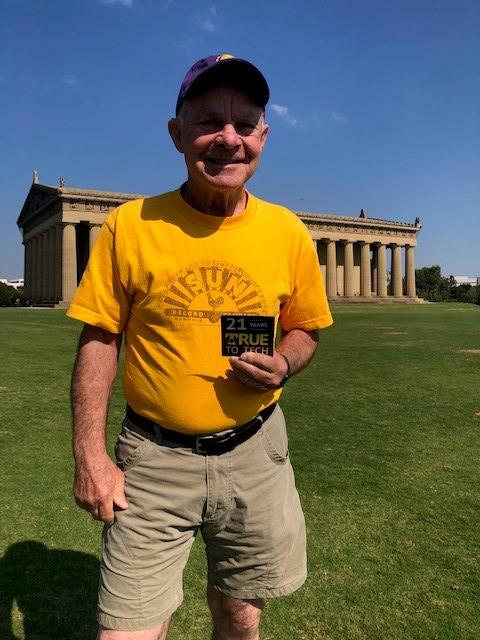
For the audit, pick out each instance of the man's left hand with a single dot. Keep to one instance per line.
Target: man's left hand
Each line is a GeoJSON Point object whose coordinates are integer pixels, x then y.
{"type": "Point", "coordinates": [258, 371]}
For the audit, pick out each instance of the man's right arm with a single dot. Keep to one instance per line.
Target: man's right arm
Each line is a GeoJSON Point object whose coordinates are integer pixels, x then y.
{"type": "Point", "coordinates": [99, 483]}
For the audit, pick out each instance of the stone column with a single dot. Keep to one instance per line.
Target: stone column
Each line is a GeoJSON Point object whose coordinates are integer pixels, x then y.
{"type": "Point", "coordinates": [331, 269]}
{"type": "Point", "coordinates": [43, 266]}
{"type": "Point", "coordinates": [58, 262]}
{"type": "Point", "coordinates": [410, 271]}
{"type": "Point", "coordinates": [382, 271]}
{"type": "Point", "coordinates": [397, 285]}
{"type": "Point", "coordinates": [69, 262]}
{"type": "Point", "coordinates": [26, 263]}
{"type": "Point", "coordinates": [34, 271]}
{"type": "Point", "coordinates": [38, 267]}
{"type": "Point", "coordinates": [365, 270]}
{"type": "Point", "coordinates": [321, 254]}
{"type": "Point", "coordinates": [348, 269]}
{"type": "Point", "coordinates": [51, 264]}
{"type": "Point", "coordinates": [93, 235]}
{"type": "Point", "coordinates": [374, 271]}
{"type": "Point", "coordinates": [30, 271]}
{"type": "Point", "coordinates": [46, 262]}
{"type": "Point", "coordinates": [38, 276]}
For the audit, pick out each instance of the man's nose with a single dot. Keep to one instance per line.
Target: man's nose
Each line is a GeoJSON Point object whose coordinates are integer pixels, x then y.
{"type": "Point", "coordinates": [228, 136]}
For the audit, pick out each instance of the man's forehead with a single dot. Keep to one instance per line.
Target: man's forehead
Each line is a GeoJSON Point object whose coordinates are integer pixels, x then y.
{"type": "Point", "coordinates": [216, 100]}
{"type": "Point", "coordinates": [215, 109]}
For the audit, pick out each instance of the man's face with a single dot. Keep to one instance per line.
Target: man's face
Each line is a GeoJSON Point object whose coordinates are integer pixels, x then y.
{"type": "Point", "coordinates": [221, 133]}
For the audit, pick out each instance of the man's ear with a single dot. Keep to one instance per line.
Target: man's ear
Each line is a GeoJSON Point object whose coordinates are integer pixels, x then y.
{"type": "Point", "coordinates": [264, 133]}
{"type": "Point", "coordinates": [175, 131]}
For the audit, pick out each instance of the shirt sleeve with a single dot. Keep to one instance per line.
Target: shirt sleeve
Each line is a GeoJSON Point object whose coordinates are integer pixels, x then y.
{"type": "Point", "coordinates": [101, 298]}
{"type": "Point", "coordinates": [307, 308]}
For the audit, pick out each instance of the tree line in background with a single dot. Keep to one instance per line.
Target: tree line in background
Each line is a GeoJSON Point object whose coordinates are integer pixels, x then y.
{"type": "Point", "coordinates": [434, 287]}
{"type": "Point", "coordinates": [431, 286]}
{"type": "Point", "coordinates": [9, 296]}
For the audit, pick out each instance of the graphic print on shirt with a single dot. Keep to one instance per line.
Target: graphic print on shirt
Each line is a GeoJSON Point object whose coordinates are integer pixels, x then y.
{"type": "Point", "coordinates": [203, 291]}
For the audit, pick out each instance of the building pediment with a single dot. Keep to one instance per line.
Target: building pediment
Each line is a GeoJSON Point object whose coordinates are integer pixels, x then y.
{"type": "Point", "coordinates": [39, 197]}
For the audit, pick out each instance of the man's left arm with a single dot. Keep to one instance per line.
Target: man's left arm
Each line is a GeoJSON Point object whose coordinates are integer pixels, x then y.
{"type": "Point", "coordinates": [264, 373]}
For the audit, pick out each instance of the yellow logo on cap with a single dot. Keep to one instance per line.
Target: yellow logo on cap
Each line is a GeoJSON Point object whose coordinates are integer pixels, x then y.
{"type": "Point", "coordinates": [224, 56]}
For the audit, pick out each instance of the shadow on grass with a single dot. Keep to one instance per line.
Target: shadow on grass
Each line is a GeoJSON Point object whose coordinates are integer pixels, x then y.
{"type": "Point", "coordinates": [54, 591]}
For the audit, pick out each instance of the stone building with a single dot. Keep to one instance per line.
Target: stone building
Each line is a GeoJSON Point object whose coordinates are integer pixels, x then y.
{"type": "Point", "coordinates": [60, 225]}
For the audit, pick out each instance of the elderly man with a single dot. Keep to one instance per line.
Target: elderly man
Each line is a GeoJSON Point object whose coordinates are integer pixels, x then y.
{"type": "Point", "coordinates": [196, 280]}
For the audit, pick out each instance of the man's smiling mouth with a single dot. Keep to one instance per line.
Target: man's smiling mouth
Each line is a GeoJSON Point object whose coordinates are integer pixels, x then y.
{"type": "Point", "coordinates": [224, 161]}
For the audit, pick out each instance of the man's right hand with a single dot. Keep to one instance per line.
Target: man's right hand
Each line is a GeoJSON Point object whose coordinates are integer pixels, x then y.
{"type": "Point", "coordinates": [99, 486]}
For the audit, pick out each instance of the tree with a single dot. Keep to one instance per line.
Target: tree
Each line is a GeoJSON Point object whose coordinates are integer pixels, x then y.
{"type": "Point", "coordinates": [447, 288]}
{"type": "Point", "coordinates": [432, 286]}
{"type": "Point", "coordinates": [473, 295]}
{"type": "Point", "coordinates": [429, 283]}
{"type": "Point", "coordinates": [462, 293]}
{"type": "Point", "coordinates": [8, 295]}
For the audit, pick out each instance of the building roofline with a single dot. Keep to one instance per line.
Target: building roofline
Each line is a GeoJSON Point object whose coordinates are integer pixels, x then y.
{"type": "Point", "coordinates": [313, 217]}
{"type": "Point", "coordinates": [64, 192]}
{"type": "Point", "coordinates": [97, 193]}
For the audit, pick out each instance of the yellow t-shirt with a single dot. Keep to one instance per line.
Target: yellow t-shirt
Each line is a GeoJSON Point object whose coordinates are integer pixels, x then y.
{"type": "Point", "coordinates": [163, 273]}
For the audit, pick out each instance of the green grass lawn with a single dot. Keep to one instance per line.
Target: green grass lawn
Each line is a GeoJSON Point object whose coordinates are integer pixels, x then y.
{"type": "Point", "coordinates": [385, 441]}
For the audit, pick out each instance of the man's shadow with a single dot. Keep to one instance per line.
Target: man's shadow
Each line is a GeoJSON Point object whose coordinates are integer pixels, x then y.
{"type": "Point", "coordinates": [53, 590]}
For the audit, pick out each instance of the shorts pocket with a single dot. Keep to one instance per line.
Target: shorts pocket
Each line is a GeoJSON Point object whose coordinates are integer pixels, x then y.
{"type": "Point", "coordinates": [274, 437]}
{"type": "Point", "coordinates": [131, 447]}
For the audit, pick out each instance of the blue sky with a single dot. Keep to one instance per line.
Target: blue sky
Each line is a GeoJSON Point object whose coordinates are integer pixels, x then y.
{"type": "Point", "coordinates": [374, 105]}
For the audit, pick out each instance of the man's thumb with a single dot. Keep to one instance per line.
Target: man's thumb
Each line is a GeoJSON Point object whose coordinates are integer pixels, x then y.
{"type": "Point", "coordinates": [119, 498]}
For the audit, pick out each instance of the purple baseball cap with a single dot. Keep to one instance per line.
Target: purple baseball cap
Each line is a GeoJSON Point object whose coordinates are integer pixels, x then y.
{"type": "Point", "coordinates": [224, 68]}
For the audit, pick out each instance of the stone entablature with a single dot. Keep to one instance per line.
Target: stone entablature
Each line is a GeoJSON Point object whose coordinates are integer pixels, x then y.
{"type": "Point", "coordinates": [348, 228]}
{"type": "Point", "coordinates": [61, 224]}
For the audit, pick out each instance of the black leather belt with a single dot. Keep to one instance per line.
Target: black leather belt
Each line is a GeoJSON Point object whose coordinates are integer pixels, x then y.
{"type": "Point", "coordinates": [212, 444]}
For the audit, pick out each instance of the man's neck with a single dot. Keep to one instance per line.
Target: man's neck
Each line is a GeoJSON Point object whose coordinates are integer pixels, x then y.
{"type": "Point", "coordinates": [222, 204]}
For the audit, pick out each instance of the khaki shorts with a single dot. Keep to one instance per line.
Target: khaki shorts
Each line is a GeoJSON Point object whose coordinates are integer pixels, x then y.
{"type": "Point", "coordinates": [243, 502]}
